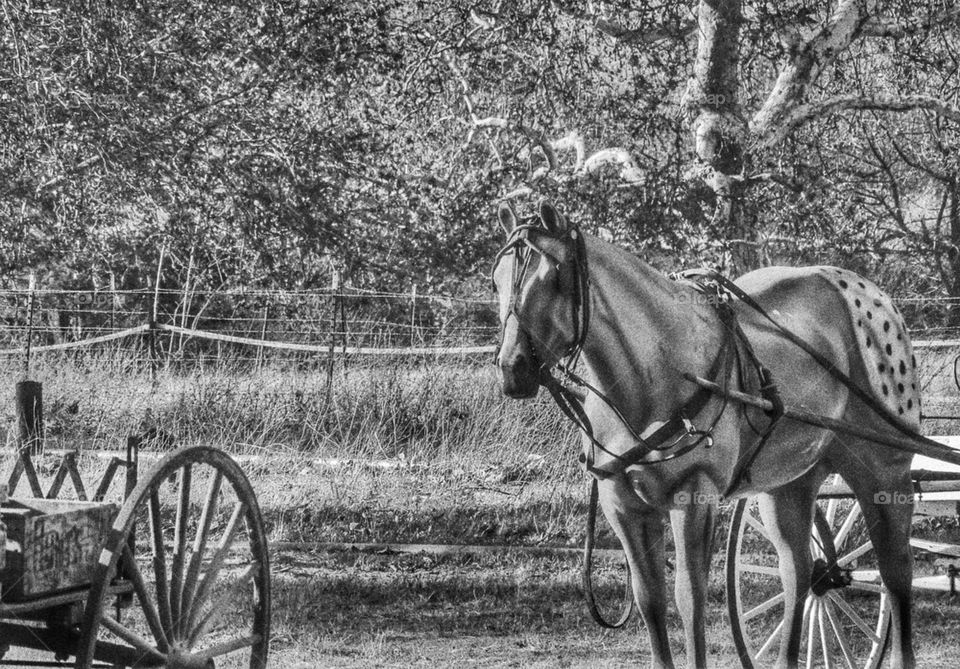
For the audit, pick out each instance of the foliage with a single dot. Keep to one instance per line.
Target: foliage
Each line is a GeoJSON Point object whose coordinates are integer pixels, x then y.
{"type": "Point", "coordinates": [278, 143]}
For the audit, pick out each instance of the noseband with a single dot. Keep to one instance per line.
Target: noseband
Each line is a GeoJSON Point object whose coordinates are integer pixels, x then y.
{"type": "Point", "coordinates": [520, 244]}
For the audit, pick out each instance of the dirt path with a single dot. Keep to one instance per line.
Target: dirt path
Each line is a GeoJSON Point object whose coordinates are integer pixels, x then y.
{"type": "Point", "coordinates": [356, 610]}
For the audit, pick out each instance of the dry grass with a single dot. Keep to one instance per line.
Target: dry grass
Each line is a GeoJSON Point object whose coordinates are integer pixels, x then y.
{"type": "Point", "coordinates": [418, 410]}
{"type": "Point", "coordinates": [457, 463]}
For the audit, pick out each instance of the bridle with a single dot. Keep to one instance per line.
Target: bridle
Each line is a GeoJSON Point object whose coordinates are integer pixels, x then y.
{"type": "Point", "coordinates": [520, 244]}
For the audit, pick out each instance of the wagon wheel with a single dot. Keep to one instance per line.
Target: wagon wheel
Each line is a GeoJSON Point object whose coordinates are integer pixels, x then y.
{"type": "Point", "coordinates": [846, 614]}
{"type": "Point", "coordinates": [190, 543]}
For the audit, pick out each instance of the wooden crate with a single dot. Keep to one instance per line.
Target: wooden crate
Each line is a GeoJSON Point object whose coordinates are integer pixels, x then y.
{"type": "Point", "coordinates": [51, 545]}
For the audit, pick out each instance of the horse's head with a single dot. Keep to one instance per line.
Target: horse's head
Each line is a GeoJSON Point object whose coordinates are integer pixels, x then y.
{"type": "Point", "coordinates": [541, 281]}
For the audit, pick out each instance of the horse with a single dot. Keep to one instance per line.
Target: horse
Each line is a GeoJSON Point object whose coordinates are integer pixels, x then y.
{"type": "Point", "coordinates": [569, 299]}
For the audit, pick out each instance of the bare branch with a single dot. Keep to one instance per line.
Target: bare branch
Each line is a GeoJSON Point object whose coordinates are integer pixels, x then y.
{"type": "Point", "coordinates": [572, 141]}
{"type": "Point", "coordinates": [629, 171]}
{"type": "Point", "coordinates": [774, 177]}
{"type": "Point", "coordinates": [649, 36]}
{"type": "Point", "coordinates": [485, 21]}
{"type": "Point", "coordinates": [639, 36]}
{"type": "Point", "coordinates": [804, 113]}
{"type": "Point", "coordinates": [533, 135]}
{"type": "Point", "coordinates": [882, 27]}
{"type": "Point", "coordinates": [805, 66]}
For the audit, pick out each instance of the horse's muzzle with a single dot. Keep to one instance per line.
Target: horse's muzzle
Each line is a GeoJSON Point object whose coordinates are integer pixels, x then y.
{"type": "Point", "coordinates": [520, 374]}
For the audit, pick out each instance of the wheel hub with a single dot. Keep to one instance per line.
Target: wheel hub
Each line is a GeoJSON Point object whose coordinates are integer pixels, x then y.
{"type": "Point", "coordinates": [826, 577]}
{"type": "Point", "coordinates": [184, 659]}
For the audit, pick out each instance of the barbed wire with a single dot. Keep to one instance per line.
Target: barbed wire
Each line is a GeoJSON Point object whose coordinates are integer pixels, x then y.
{"type": "Point", "coordinates": [344, 321]}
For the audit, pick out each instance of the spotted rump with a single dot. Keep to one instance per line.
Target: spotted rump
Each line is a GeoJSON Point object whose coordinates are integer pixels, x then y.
{"type": "Point", "coordinates": [884, 345]}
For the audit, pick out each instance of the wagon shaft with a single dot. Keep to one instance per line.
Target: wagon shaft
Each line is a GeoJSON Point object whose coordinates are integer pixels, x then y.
{"type": "Point", "coordinates": [914, 443]}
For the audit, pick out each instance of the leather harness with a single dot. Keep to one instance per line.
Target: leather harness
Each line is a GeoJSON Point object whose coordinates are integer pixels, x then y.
{"type": "Point", "coordinates": [666, 442]}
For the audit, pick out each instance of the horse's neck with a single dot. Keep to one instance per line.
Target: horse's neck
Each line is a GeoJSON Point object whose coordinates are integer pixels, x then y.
{"type": "Point", "coordinates": [645, 332]}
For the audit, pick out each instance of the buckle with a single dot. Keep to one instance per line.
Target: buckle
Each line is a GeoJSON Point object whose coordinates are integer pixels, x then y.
{"type": "Point", "coordinates": [692, 431]}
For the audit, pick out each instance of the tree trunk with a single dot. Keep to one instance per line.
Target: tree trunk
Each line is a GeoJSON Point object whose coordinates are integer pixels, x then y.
{"type": "Point", "coordinates": [953, 285]}
{"type": "Point", "coordinates": [719, 128]}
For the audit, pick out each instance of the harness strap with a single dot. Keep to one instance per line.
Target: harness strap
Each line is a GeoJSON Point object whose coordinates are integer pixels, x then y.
{"type": "Point", "coordinates": [715, 285]}
{"type": "Point", "coordinates": [679, 423]}
{"type": "Point", "coordinates": [586, 573]}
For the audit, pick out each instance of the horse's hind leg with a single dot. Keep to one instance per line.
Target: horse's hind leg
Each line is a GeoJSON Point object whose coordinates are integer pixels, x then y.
{"type": "Point", "coordinates": [787, 515]}
{"type": "Point", "coordinates": [886, 499]}
{"type": "Point", "coordinates": [640, 530]}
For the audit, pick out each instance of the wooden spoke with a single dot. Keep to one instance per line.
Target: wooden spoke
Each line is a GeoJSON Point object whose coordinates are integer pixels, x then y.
{"type": "Point", "coordinates": [215, 564]}
{"type": "Point", "coordinates": [805, 618]}
{"type": "Point", "coordinates": [768, 644]}
{"type": "Point", "coordinates": [146, 601]}
{"type": "Point", "coordinates": [759, 569]}
{"type": "Point", "coordinates": [218, 605]}
{"type": "Point", "coordinates": [199, 547]}
{"type": "Point", "coordinates": [862, 549]}
{"type": "Point", "coordinates": [866, 586]}
{"type": "Point", "coordinates": [132, 638]}
{"type": "Point", "coordinates": [816, 548]}
{"type": "Point", "coordinates": [841, 537]}
{"type": "Point", "coordinates": [160, 563]}
{"type": "Point", "coordinates": [756, 524]}
{"type": "Point", "coordinates": [180, 547]}
{"type": "Point", "coordinates": [831, 513]}
{"type": "Point", "coordinates": [811, 639]}
{"type": "Point", "coordinates": [764, 607]}
{"type": "Point", "coordinates": [848, 610]}
{"type": "Point", "coordinates": [827, 659]}
{"type": "Point", "coordinates": [840, 636]}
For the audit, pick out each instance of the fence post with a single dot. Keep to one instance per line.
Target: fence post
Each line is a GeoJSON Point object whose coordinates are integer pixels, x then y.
{"type": "Point", "coordinates": [113, 301]}
{"type": "Point", "coordinates": [31, 308]}
{"type": "Point", "coordinates": [413, 314]}
{"type": "Point", "coordinates": [155, 310]}
{"type": "Point", "coordinates": [342, 306]}
{"type": "Point", "coordinates": [335, 287]}
{"type": "Point", "coordinates": [29, 411]}
{"type": "Point", "coordinates": [263, 334]}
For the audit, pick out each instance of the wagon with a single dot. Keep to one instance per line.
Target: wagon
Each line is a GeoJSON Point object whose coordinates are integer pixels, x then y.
{"type": "Point", "coordinates": [846, 613]}
{"type": "Point", "coordinates": [175, 574]}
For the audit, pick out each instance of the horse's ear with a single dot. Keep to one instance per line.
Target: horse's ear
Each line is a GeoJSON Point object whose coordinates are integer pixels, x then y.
{"type": "Point", "coordinates": [508, 219]}
{"type": "Point", "coordinates": [552, 219]}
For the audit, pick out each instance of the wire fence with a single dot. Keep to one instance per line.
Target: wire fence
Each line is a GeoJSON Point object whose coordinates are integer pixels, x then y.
{"type": "Point", "coordinates": [169, 326]}
{"type": "Point", "coordinates": [177, 327]}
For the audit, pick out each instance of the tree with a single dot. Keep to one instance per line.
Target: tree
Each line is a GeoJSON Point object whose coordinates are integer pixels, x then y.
{"type": "Point", "coordinates": [273, 143]}
{"type": "Point", "coordinates": [759, 76]}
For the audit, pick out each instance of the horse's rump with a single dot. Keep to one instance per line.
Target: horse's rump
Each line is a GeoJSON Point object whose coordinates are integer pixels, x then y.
{"type": "Point", "coordinates": [846, 318]}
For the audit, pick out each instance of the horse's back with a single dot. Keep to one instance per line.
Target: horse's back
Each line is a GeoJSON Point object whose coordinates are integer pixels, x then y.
{"type": "Point", "coordinates": [848, 319]}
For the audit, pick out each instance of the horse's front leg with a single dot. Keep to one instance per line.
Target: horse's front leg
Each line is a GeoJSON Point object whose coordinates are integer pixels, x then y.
{"type": "Point", "coordinates": [693, 522]}
{"type": "Point", "coordinates": [640, 530]}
